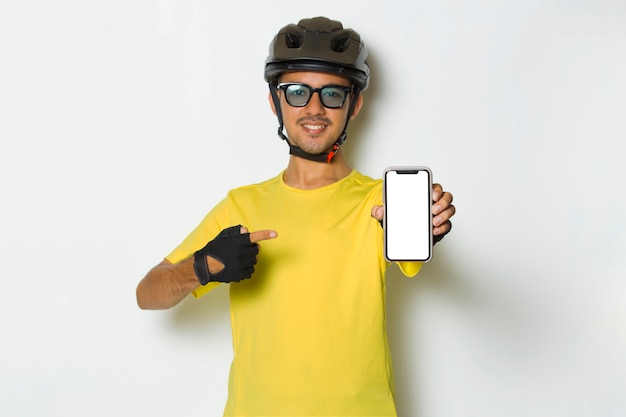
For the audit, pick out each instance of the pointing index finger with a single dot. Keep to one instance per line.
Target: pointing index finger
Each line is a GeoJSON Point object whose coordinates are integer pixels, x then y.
{"type": "Point", "coordinates": [262, 235]}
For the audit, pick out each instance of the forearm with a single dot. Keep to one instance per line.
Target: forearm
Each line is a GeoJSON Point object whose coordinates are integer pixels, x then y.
{"type": "Point", "coordinates": [166, 285]}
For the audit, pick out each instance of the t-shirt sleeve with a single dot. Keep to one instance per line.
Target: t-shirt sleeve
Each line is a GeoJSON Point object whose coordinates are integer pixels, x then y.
{"type": "Point", "coordinates": [410, 269]}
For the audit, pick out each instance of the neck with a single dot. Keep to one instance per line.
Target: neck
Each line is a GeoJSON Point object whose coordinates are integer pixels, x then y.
{"type": "Point", "coordinates": [309, 175]}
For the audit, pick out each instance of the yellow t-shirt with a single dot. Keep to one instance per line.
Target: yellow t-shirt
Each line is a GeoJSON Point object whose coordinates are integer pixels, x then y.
{"type": "Point", "coordinates": [309, 333]}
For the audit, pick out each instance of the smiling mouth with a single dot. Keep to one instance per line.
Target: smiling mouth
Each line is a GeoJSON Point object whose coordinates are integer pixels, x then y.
{"type": "Point", "coordinates": [314, 126]}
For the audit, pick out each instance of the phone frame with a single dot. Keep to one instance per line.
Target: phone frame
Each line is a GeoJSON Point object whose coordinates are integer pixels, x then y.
{"type": "Point", "coordinates": [429, 210]}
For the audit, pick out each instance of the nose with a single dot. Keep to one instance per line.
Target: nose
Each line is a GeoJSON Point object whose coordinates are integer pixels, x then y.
{"type": "Point", "coordinates": [315, 106]}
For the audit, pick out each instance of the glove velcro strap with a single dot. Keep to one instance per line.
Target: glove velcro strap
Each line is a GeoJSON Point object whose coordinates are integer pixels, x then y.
{"type": "Point", "coordinates": [201, 268]}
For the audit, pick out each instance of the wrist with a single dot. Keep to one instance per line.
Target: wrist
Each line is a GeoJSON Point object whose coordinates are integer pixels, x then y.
{"type": "Point", "coordinates": [201, 268]}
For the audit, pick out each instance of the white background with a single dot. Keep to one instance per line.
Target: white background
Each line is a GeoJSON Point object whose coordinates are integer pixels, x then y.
{"type": "Point", "coordinates": [123, 122]}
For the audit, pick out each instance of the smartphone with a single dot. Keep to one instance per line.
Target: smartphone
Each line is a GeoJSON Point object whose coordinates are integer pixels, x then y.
{"type": "Point", "coordinates": [407, 222]}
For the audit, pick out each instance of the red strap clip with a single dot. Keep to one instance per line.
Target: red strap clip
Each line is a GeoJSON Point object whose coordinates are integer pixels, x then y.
{"type": "Point", "coordinates": [332, 153]}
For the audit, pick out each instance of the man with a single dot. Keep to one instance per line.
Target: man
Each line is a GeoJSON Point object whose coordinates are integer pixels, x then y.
{"type": "Point", "coordinates": [308, 326]}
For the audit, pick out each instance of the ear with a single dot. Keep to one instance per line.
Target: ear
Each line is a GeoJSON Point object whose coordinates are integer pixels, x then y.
{"type": "Point", "coordinates": [357, 106]}
{"type": "Point", "coordinates": [272, 106]}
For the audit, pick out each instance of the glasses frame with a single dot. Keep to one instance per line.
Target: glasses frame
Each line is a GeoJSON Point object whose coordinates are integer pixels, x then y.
{"type": "Point", "coordinates": [345, 88]}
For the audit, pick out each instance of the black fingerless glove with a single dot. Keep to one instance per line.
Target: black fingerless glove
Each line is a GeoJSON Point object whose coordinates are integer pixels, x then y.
{"type": "Point", "coordinates": [231, 248]}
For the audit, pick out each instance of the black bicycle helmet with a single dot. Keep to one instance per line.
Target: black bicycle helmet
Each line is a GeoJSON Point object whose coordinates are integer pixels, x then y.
{"type": "Point", "coordinates": [318, 44]}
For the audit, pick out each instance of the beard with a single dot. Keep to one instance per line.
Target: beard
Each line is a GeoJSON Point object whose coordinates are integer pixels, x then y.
{"type": "Point", "coordinates": [314, 144]}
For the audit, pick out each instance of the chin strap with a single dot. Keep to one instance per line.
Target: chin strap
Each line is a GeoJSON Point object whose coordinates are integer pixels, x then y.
{"type": "Point", "coordinates": [294, 150]}
{"type": "Point", "coordinates": [321, 157]}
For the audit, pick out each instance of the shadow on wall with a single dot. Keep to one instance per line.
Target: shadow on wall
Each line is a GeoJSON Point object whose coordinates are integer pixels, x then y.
{"type": "Point", "coordinates": [403, 297]}
{"type": "Point", "coordinates": [212, 311]}
{"type": "Point", "coordinates": [355, 145]}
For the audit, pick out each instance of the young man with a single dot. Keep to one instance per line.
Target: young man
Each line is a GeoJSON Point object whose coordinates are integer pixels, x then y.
{"type": "Point", "coordinates": [308, 326]}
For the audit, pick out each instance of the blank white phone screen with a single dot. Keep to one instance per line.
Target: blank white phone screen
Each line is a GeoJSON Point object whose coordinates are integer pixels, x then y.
{"type": "Point", "coordinates": [407, 215]}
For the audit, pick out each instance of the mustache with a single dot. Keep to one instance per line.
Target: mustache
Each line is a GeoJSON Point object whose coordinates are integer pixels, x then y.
{"type": "Point", "coordinates": [314, 119]}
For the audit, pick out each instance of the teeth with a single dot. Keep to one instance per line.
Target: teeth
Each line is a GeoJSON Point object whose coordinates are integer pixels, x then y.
{"type": "Point", "coordinates": [313, 127]}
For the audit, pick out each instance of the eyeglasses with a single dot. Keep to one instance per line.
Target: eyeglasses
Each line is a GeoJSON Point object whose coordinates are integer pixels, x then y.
{"type": "Point", "coordinates": [299, 95]}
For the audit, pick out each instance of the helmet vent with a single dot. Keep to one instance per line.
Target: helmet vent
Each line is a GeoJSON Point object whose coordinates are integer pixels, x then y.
{"type": "Point", "coordinates": [341, 43]}
{"type": "Point", "coordinates": [293, 40]}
